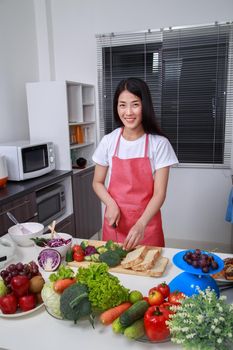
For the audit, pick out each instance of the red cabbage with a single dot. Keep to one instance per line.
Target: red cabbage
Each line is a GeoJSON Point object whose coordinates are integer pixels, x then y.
{"type": "Point", "coordinates": [89, 250]}
{"type": "Point", "coordinates": [58, 242]}
{"type": "Point", "coordinates": [49, 259]}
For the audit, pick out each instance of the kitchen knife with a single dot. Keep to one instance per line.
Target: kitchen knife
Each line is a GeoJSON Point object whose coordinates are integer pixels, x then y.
{"type": "Point", "coordinates": [115, 227]}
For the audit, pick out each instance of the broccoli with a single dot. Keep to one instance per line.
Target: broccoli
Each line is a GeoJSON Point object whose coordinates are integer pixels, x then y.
{"type": "Point", "coordinates": [74, 303]}
{"type": "Point", "coordinates": [110, 245]}
{"type": "Point", "coordinates": [111, 258]}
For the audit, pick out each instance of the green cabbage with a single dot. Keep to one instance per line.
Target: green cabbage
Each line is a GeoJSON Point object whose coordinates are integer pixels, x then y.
{"type": "Point", "coordinates": [3, 288]}
{"type": "Point", "coordinates": [51, 299]}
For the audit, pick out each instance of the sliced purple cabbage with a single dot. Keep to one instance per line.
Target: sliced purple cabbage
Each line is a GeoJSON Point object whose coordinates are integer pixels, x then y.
{"type": "Point", "coordinates": [58, 242]}
{"type": "Point", "coordinates": [89, 250]}
{"type": "Point", "coordinates": [49, 259]}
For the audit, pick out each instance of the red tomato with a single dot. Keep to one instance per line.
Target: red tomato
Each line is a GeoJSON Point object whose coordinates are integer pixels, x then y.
{"type": "Point", "coordinates": [155, 323]}
{"type": "Point", "coordinates": [164, 289]}
{"type": "Point", "coordinates": [27, 302]}
{"type": "Point", "coordinates": [155, 298]}
{"type": "Point", "coordinates": [146, 299]}
{"type": "Point", "coordinates": [175, 297]}
{"type": "Point", "coordinates": [78, 256]}
{"type": "Point", "coordinates": [77, 248]}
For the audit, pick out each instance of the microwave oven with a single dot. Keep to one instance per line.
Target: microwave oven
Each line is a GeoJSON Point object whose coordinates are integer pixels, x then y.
{"type": "Point", "coordinates": [27, 160]}
{"type": "Point", "coordinates": [51, 203]}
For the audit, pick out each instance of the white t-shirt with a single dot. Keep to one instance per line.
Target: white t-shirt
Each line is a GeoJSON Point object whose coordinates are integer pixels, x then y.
{"type": "Point", "coordinates": [160, 151]}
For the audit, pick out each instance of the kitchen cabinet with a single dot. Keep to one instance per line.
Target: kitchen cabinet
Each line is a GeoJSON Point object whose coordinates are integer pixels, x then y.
{"type": "Point", "coordinates": [66, 226]}
{"type": "Point", "coordinates": [64, 113]}
{"type": "Point", "coordinates": [23, 208]}
{"type": "Point", "coordinates": [87, 206]}
{"type": "Point", "coordinates": [20, 198]}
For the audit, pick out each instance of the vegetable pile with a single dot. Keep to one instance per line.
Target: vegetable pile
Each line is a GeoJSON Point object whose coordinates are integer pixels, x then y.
{"type": "Point", "coordinates": [20, 287]}
{"type": "Point", "coordinates": [144, 316]}
{"type": "Point", "coordinates": [93, 289]}
{"type": "Point", "coordinates": [111, 253]}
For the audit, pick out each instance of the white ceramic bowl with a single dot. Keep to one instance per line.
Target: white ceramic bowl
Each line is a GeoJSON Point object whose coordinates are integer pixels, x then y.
{"type": "Point", "coordinates": [24, 239]}
{"type": "Point", "coordinates": [62, 249]}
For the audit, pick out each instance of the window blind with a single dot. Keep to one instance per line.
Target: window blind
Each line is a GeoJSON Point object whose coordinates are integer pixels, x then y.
{"type": "Point", "coordinates": [190, 74]}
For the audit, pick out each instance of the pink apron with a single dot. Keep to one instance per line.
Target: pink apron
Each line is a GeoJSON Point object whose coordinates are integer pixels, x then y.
{"type": "Point", "coordinates": [132, 186]}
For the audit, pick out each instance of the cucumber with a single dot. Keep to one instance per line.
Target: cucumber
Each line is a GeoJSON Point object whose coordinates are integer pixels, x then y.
{"type": "Point", "coordinates": [134, 313]}
{"type": "Point", "coordinates": [117, 327]}
{"type": "Point", "coordinates": [136, 330]}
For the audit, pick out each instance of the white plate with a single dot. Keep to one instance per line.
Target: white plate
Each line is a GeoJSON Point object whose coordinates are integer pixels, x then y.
{"type": "Point", "coordinates": [19, 313]}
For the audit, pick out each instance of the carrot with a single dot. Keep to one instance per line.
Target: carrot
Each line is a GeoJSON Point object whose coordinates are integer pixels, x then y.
{"type": "Point", "coordinates": [107, 317]}
{"type": "Point", "coordinates": [60, 285]}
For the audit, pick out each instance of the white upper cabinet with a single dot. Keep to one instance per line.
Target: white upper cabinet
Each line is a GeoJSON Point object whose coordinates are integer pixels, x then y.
{"type": "Point", "coordinates": [64, 113]}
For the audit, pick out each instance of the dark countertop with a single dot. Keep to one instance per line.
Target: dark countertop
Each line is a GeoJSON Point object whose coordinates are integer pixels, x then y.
{"type": "Point", "coordinates": [16, 189]}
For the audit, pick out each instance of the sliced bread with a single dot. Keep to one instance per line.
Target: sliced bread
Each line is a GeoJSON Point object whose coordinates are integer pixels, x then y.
{"type": "Point", "coordinates": [159, 267]}
{"type": "Point", "coordinates": [134, 257]}
{"type": "Point", "coordinates": [148, 261]}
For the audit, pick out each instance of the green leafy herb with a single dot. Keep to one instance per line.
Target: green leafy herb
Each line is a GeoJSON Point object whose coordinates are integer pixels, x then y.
{"type": "Point", "coordinates": [105, 290]}
{"type": "Point", "coordinates": [62, 273]}
{"type": "Point", "coordinates": [203, 322]}
{"type": "Point", "coordinates": [41, 242]}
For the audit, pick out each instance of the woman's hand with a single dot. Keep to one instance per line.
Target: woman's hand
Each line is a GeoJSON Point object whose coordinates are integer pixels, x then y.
{"type": "Point", "coordinates": [112, 213]}
{"type": "Point", "coordinates": [135, 235]}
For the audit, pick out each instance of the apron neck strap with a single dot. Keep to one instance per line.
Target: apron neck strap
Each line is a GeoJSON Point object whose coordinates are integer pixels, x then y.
{"type": "Point", "coordinates": [146, 145]}
{"type": "Point", "coordinates": [118, 141]}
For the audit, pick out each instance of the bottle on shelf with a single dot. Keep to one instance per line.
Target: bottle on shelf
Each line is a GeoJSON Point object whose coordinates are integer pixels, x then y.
{"type": "Point", "coordinates": [79, 134]}
{"type": "Point", "coordinates": [73, 135]}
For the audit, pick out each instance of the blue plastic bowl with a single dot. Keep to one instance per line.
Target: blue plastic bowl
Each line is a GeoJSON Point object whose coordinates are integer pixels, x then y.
{"type": "Point", "coordinates": [188, 283]}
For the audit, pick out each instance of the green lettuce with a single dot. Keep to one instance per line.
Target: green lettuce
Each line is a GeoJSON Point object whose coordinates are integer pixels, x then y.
{"type": "Point", "coordinates": [105, 290]}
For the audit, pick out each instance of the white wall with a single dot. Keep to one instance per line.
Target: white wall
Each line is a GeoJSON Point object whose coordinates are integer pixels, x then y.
{"type": "Point", "coordinates": [197, 198]}
{"type": "Point", "coordinates": [18, 64]}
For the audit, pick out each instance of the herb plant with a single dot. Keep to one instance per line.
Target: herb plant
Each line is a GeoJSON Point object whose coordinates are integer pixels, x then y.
{"type": "Point", "coordinates": [203, 322]}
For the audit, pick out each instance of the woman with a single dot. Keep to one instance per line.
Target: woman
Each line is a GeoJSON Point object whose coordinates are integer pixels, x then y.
{"type": "Point", "coordinates": [138, 158]}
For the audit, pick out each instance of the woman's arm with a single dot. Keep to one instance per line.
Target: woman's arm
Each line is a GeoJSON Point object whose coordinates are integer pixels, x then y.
{"type": "Point", "coordinates": [136, 233]}
{"type": "Point", "coordinates": [112, 210]}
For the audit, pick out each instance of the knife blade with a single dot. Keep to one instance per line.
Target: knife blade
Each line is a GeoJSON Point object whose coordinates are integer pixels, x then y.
{"type": "Point", "coordinates": [115, 227]}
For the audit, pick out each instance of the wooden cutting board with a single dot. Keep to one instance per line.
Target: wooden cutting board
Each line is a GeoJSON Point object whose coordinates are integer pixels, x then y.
{"type": "Point", "coordinates": [117, 269]}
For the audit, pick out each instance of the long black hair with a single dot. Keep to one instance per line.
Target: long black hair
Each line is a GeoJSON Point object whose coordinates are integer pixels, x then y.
{"type": "Point", "coordinates": [139, 88]}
